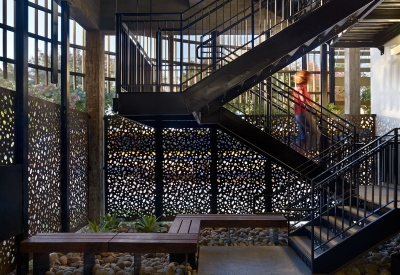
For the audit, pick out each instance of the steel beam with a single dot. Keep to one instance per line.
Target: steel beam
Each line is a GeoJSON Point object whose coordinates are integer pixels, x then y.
{"type": "Point", "coordinates": [22, 122]}
{"type": "Point", "coordinates": [65, 142]}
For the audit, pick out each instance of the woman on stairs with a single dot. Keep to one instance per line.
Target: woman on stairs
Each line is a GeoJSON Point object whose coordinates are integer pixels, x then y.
{"type": "Point", "coordinates": [308, 134]}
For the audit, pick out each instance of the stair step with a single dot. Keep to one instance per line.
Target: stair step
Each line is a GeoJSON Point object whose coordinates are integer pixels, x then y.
{"type": "Point", "coordinates": [361, 213]}
{"type": "Point", "coordinates": [321, 231]}
{"type": "Point", "coordinates": [304, 244]}
{"type": "Point", "coordinates": [332, 219]}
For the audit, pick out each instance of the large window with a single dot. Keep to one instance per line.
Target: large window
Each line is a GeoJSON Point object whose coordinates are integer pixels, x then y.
{"type": "Point", "coordinates": [39, 52]}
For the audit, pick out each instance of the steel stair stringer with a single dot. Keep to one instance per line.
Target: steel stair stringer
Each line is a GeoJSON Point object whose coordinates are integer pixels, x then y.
{"type": "Point", "coordinates": [364, 240]}
{"type": "Point", "coordinates": [251, 63]}
{"type": "Point", "coordinates": [262, 142]}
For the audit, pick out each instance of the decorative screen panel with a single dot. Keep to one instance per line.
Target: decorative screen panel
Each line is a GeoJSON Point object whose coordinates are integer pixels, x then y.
{"type": "Point", "coordinates": [186, 171]}
{"type": "Point", "coordinates": [7, 155]}
{"type": "Point", "coordinates": [44, 166]}
{"type": "Point", "coordinates": [241, 176]}
{"type": "Point", "coordinates": [386, 124]}
{"type": "Point", "coordinates": [130, 168]}
{"type": "Point", "coordinates": [7, 126]}
{"type": "Point", "coordinates": [79, 146]}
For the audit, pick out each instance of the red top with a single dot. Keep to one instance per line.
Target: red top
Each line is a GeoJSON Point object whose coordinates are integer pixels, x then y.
{"type": "Point", "coordinates": [300, 98]}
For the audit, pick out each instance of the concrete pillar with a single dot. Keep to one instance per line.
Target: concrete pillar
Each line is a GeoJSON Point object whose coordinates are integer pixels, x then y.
{"type": "Point", "coordinates": [352, 81]}
{"type": "Point", "coordinates": [94, 86]}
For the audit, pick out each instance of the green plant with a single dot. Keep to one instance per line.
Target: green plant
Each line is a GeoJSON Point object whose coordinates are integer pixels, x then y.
{"type": "Point", "coordinates": [108, 223]}
{"type": "Point", "coordinates": [147, 223]}
{"type": "Point", "coordinates": [334, 108]}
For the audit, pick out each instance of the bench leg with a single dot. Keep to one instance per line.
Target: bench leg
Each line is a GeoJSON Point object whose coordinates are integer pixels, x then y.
{"type": "Point", "coordinates": [41, 263]}
{"type": "Point", "coordinates": [137, 263]}
{"type": "Point", "coordinates": [88, 263]}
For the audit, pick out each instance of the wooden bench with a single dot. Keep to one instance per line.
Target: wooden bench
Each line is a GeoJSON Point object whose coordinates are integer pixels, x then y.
{"type": "Point", "coordinates": [192, 223]}
{"type": "Point", "coordinates": [184, 224]}
{"type": "Point", "coordinates": [44, 243]}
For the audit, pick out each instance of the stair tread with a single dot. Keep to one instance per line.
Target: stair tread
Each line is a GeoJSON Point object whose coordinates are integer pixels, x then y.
{"type": "Point", "coordinates": [331, 219]}
{"type": "Point", "coordinates": [324, 235]}
{"type": "Point", "coordinates": [304, 244]}
{"type": "Point", "coordinates": [361, 212]}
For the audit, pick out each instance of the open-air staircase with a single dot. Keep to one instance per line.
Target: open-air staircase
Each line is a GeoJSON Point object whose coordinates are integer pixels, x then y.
{"type": "Point", "coordinates": [333, 225]}
{"type": "Point", "coordinates": [340, 208]}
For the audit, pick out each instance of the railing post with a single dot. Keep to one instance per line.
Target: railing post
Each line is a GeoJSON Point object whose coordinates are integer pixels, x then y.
{"type": "Point", "coordinates": [65, 124]}
{"type": "Point", "coordinates": [158, 60]}
{"type": "Point", "coordinates": [312, 223]}
{"type": "Point", "coordinates": [181, 54]}
{"type": "Point", "coordinates": [252, 24]}
{"type": "Point", "coordinates": [214, 50]}
{"type": "Point", "coordinates": [396, 165]}
{"type": "Point", "coordinates": [118, 54]}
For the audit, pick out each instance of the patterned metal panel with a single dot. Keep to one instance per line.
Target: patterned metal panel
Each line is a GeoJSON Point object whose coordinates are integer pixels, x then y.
{"type": "Point", "coordinates": [386, 124]}
{"type": "Point", "coordinates": [365, 126]}
{"type": "Point", "coordinates": [7, 256]}
{"type": "Point", "coordinates": [130, 167]}
{"type": "Point", "coordinates": [44, 166]}
{"type": "Point", "coordinates": [7, 154]}
{"type": "Point", "coordinates": [186, 171]}
{"type": "Point", "coordinates": [7, 129]}
{"type": "Point", "coordinates": [241, 176]}
{"type": "Point", "coordinates": [79, 147]}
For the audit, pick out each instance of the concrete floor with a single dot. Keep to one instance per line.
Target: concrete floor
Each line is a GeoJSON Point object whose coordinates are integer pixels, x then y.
{"type": "Point", "coordinates": [243, 260]}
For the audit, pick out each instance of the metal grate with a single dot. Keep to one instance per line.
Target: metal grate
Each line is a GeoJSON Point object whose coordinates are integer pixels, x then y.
{"type": "Point", "coordinates": [79, 146]}
{"type": "Point", "coordinates": [241, 175]}
{"type": "Point", "coordinates": [7, 126]}
{"type": "Point", "coordinates": [186, 171]}
{"type": "Point", "coordinates": [7, 153]}
{"type": "Point", "coordinates": [44, 166]}
{"type": "Point", "coordinates": [130, 168]}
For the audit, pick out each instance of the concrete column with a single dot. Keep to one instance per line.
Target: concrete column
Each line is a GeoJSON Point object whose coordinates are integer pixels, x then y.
{"type": "Point", "coordinates": [352, 81]}
{"type": "Point", "coordinates": [94, 86]}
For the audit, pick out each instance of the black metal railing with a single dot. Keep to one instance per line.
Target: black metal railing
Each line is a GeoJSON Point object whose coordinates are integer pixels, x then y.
{"type": "Point", "coordinates": [342, 199]}
{"type": "Point", "coordinates": [169, 52]}
{"type": "Point", "coordinates": [269, 106]}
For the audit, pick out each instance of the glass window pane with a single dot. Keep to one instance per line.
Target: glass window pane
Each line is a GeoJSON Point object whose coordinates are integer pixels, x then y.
{"type": "Point", "coordinates": [71, 59]}
{"type": "Point", "coordinates": [79, 61]}
{"type": "Point", "coordinates": [1, 12]}
{"type": "Point", "coordinates": [42, 77]}
{"type": "Point", "coordinates": [79, 82]}
{"type": "Point", "coordinates": [112, 43]}
{"type": "Point", "coordinates": [49, 55]}
{"type": "Point", "coordinates": [41, 23]}
{"type": "Point", "coordinates": [31, 76]}
{"type": "Point", "coordinates": [31, 50]}
{"type": "Point", "coordinates": [41, 3]}
{"type": "Point", "coordinates": [10, 45]}
{"type": "Point", "coordinates": [49, 24]}
{"type": "Point", "coordinates": [79, 35]}
{"type": "Point", "coordinates": [106, 42]}
{"type": "Point", "coordinates": [112, 65]}
{"type": "Point", "coordinates": [71, 31]}
{"type": "Point", "coordinates": [41, 53]}
{"type": "Point", "coordinates": [10, 13]}
{"type": "Point", "coordinates": [49, 3]}
{"type": "Point", "coordinates": [59, 28]}
{"type": "Point", "coordinates": [31, 20]}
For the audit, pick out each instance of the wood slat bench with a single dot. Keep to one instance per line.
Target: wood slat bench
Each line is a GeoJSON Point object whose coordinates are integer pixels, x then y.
{"type": "Point", "coordinates": [184, 224]}
{"type": "Point", "coordinates": [44, 243]}
{"type": "Point", "coordinates": [192, 223]}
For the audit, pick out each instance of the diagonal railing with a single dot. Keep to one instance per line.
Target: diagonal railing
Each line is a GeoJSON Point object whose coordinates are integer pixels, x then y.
{"type": "Point", "coordinates": [172, 45]}
{"type": "Point", "coordinates": [269, 107]}
{"type": "Point", "coordinates": [332, 194]}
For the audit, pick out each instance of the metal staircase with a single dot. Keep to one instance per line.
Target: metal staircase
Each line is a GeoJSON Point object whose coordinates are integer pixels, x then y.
{"type": "Point", "coordinates": [334, 224]}
{"type": "Point", "coordinates": [350, 192]}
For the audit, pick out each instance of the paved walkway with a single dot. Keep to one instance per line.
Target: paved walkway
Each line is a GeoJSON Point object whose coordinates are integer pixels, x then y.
{"type": "Point", "coordinates": [257, 260]}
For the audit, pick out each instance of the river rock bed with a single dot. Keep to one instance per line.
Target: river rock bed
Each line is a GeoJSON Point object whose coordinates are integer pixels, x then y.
{"type": "Point", "coordinates": [375, 262]}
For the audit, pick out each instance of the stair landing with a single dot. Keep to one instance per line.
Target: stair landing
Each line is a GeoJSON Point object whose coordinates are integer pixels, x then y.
{"type": "Point", "coordinates": [260, 260]}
